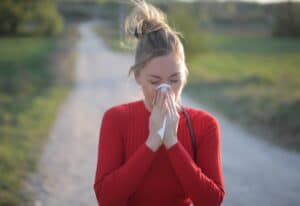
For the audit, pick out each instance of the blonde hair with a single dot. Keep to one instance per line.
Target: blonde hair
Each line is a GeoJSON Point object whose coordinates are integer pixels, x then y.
{"type": "Point", "coordinates": [148, 24]}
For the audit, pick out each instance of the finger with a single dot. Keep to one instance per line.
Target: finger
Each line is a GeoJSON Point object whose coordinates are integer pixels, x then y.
{"type": "Point", "coordinates": [160, 99]}
{"type": "Point", "coordinates": [175, 104]}
{"type": "Point", "coordinates": [170, 110]}
{"type": "Point", "coordinates": [154, 99]}
{"type": "Point", "coordinates": [157, 97]}
{"type": "Point", "coordinates": [164, 102]}
{"type": "Point", "coordinates": [171, 104]}
{"type": "Point", "coordinates": [171, 113]}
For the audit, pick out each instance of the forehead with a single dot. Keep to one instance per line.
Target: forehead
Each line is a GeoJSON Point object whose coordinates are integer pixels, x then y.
{"type": "Point", "coordinates": [162, 66]}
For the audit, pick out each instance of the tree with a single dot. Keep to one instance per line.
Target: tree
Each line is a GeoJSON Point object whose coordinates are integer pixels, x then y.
{"type": "Point", "coordinates": [183, 19]}
{"type": "Point", "coordinates": [12, 14]}
{"type": "Point", "coordinates": [42, 14]}
{"type": "Point", "coordinates": [287, 20]}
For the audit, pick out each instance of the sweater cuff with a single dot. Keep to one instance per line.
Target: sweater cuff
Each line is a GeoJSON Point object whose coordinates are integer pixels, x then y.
{"type": "Point", "coordinates": [147, 151]}
{"type": "Point", "coordinates": [178, 152]}
{"type": "Point", "coordinates": [174, 147]}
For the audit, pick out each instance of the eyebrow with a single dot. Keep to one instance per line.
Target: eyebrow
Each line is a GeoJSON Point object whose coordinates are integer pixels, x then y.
{"type": "Point", "coordinates": [152, 75]}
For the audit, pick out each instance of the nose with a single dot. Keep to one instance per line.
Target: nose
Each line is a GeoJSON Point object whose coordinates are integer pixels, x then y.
{"type": "Point", "coordinates": [163, 87]}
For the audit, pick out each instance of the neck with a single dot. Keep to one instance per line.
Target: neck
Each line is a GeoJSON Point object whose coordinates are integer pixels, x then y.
{"type": "Point", "coordinates": [147, 106]}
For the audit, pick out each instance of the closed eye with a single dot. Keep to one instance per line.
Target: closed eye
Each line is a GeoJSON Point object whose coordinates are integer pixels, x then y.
{"type": "Point", "coordinates": [157, 82]}
{"type": "Point", "coordinates": [174, 81]}
{"type": "Point", "coordinates": [154, 82]}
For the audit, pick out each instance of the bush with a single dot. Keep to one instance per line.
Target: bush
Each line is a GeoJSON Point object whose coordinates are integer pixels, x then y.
{"type": "Point", "coordinates": [19, 17]}
{"type": "Point", "coordinates": [287, 20]}
{"type": "Point", "coordinates": [182, 18]}
{"type": "Point", "coordinates": [46, 18]}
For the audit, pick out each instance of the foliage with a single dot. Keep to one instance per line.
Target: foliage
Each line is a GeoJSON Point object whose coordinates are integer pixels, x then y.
{"type": "Point", "coordinates": [181, 18]}
{"type": "Point", "coordinates": [287, 19]}
{"type": "Point", "coordinates": [30, 16]}
{"type": "Point", "coordinates": [30, 94]}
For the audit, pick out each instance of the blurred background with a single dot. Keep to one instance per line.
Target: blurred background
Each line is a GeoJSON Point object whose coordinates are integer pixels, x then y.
{"type": "Point", "coordinates": [243, 58]}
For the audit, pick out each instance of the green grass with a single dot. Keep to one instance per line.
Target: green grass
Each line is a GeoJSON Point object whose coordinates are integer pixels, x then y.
{"type": "Point", "coordinates": [251, 43]}
{"type": "Point", "coordinates": [22, 49]}
{"type": "Point", "coordinates": [29, 99]}
{"type": "Point", "coordinates": [22, 137]}
{"type": "Point", "coordinates": [254, 80]}
{"type": "Point", "coordinates": [22, 65]}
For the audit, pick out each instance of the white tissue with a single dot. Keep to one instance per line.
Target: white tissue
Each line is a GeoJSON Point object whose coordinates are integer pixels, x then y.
{"type": "Point", "coordinates": [163, 86]}
{"type": "Point", "coordinates": [161, 131]}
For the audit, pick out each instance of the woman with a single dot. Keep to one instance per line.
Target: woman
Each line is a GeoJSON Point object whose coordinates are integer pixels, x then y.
{"type": "Point", "coordinates": [136, 166]}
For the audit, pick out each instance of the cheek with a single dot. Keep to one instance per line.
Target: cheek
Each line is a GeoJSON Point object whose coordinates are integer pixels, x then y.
{"type": "Point", "coordinates": [149, 91]}
{"type": "Point", "coordinates": [177, 90]}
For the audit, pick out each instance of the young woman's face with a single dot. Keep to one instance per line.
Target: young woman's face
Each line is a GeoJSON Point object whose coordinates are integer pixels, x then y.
{"type": "Point", "coordinates": [162, 69]}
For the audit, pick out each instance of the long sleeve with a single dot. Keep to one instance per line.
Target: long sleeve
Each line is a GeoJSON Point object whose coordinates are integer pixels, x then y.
{"type": "Point", "coordinates": [205, 185]}
{"type": "Point", "coordinates": [116, 180]}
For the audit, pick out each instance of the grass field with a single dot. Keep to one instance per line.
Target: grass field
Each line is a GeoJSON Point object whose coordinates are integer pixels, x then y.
{"type": "Point", "coordinates": [29, 99]}
{"type": "Point", "coordinates": [254, 80]}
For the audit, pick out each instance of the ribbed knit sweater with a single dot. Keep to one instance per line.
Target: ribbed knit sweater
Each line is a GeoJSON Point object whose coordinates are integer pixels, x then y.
{"type": "Point", "coordinates": [129, 173]}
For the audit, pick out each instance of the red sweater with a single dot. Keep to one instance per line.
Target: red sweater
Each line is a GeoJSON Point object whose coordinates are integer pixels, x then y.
{"type": "Point", "coordinates": [129, 173]}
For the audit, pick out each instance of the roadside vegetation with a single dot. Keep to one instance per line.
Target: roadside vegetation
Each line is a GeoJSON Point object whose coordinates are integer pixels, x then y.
{"type": "Point", "coordinates": [36, 73]}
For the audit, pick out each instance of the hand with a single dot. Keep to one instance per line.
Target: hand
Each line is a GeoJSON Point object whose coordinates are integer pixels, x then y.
{"type": "Point", "coordinates": [170, 137]}
{"type": "Point", "coordinates": [156, 119]}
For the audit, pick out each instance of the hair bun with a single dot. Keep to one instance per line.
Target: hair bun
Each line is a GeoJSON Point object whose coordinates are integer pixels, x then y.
{"type": "Point", "coordinates": [147, 27]}
{"type": "Point", "coordinates": [145, 19]}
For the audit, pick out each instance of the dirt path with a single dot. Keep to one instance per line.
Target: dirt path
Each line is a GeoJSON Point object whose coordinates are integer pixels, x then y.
{"type": "Point", "coordinates": [255, 173]}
